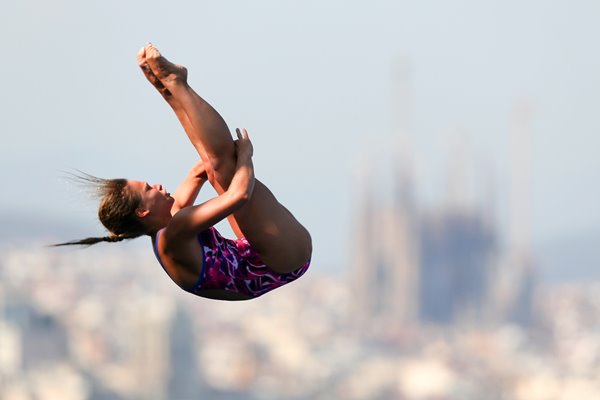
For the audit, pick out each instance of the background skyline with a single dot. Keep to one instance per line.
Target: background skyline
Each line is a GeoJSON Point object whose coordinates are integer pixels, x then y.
{"type": "Point", "coordinates": [316, 85]}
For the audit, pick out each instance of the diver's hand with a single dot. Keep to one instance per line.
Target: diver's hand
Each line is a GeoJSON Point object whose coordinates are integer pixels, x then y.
{"type": "Point", "coordinates": [243, 145]}
{"type": "Point", "coordinates": [199, 171]}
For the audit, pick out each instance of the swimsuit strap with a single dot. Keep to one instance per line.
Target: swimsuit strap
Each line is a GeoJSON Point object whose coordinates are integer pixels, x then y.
{"type": "Point", "coordinates": [156, 251]}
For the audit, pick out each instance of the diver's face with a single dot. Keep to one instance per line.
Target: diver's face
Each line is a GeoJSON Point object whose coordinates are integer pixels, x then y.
{"type": "Point", "coordinates": [155, 198]}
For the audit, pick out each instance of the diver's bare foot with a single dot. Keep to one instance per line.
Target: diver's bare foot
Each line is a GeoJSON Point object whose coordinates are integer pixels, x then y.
{"type": "Point", "coordinates": [163, 69]}
{"type": "Point", "coordinates": [153, 79]}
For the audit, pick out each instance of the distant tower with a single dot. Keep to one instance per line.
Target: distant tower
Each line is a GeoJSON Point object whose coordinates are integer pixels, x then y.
{"type": "Point", "coordinates": [403, 238]}
{"type": "Point", "coordinates": [364, 243]}
{"type": "Point", "coordinates": [457, 252]}
{"type": "Point", "coordinates": [517, 274]}
{"type": "Point", "coordinates": [520, 212]}
{"type": "Point", "coordinates": [385, 269]}
{"type": "Point", "coordinates": [521, 182]}
{"type": "Point", "coordinates": [403, 243]}
{"type": "Point", "coordinates": [487, 199]}
{"type": "Point", "coordinates": [459, 180]}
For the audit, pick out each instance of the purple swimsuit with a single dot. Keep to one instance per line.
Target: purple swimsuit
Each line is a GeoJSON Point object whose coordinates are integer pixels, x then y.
{"type": "Point", "coordinates": [233, 265]}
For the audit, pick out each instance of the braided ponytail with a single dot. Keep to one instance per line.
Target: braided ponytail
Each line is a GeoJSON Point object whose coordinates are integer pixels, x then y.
{"type": "Point", "coordinates": [93, 240]}
{"type": "Point", "coordinates": [116, 211]}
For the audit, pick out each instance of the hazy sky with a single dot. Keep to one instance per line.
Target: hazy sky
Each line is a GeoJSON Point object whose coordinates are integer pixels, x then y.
{"type": "Point", "coordinates": [315, 83]}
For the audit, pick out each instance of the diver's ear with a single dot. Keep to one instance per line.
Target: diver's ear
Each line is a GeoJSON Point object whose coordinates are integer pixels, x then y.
{"type": "Point", "coordinates": [141, 212]}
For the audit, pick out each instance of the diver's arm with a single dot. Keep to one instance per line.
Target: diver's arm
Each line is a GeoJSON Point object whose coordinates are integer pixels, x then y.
{"type": "Point", "coordinates": [191, 220]}
{"type": "Point", "coordinates": [188, 190]}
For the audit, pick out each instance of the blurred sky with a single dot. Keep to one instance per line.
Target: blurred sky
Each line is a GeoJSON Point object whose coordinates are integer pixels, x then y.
{"type": "Point", "coordinates": [314, 82]}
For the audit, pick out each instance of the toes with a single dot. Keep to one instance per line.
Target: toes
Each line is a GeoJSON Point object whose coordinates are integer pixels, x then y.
{"type": "Point", "coordinates": [141, 56]}
{"type": "Point", "coordinates": [151, 51]}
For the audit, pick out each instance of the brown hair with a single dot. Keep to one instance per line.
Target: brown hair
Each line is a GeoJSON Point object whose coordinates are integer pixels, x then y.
{"type": "Point", "coordinates": [116, 211]}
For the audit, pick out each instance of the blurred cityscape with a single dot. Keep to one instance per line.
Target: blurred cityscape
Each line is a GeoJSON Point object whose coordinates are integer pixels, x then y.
{"type": "Point", "coordinates": [106, 324]}
{"type": "Point", "coordinates": [437, 303]}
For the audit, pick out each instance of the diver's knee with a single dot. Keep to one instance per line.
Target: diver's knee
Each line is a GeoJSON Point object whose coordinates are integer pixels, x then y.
{"type": "Point", "coordinates": [307, 248]}
{"type": "Point", "coordinates": [220, 170]}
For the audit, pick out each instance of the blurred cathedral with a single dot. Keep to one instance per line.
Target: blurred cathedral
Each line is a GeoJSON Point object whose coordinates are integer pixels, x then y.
{"type": "Point", "coordinates": [449, 264]}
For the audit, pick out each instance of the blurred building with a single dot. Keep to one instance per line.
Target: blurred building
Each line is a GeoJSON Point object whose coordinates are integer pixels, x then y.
{"type": "Point", "coordinates": [448, 263]}
{"type": "Point", "coordinates": [184, 381]}
{"type": "Point", "coordinates": [387, 259]}
{"type": "Point", "coordinates": [416, 265]}
{"type": "Point", "coordinates": [40, 339]}
{"type": "Point", "coordinates": [516, 278]}
{"type": "Point", "coordinates": [145, 323]}
{"type": "Point", "coordinates": [457, 256]}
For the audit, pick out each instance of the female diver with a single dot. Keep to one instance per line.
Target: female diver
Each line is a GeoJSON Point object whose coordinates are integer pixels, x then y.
{"type": "Point", "coordinates": [272, 247]}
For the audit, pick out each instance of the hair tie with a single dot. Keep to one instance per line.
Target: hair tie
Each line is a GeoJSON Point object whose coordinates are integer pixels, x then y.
{"type": "Point", "coordinates": [114, 238]}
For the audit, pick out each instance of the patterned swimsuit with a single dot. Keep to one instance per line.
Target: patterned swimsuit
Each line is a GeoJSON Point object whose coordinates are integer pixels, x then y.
{"type": "Point", "coordinates": [234, 266]}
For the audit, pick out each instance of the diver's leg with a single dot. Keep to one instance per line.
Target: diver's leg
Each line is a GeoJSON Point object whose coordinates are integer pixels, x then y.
{"type": "Point", "coordinates": [210, 134]}
{"type": "Point", "coordinates": [164, 92]}
{"type": "Point", "coordinates": [180, 113]}
{"type": "Point", "coordinates": [283, 243]}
